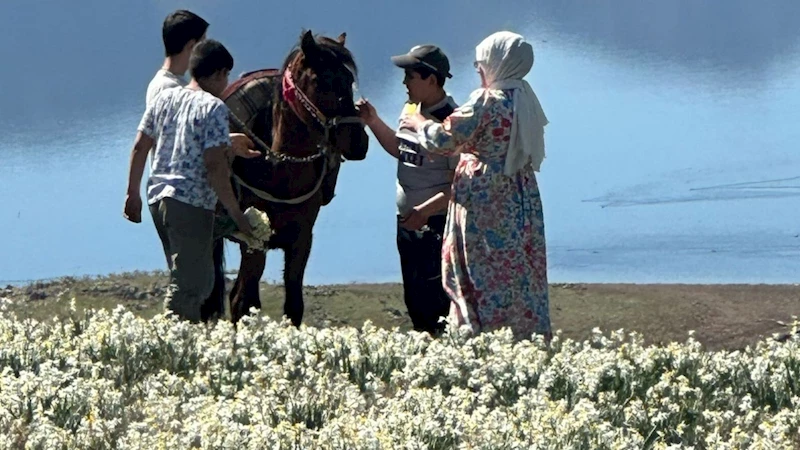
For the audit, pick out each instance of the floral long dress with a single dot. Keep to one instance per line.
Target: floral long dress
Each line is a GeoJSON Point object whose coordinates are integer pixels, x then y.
{"type": "Point", "coordinates": [494, 264]}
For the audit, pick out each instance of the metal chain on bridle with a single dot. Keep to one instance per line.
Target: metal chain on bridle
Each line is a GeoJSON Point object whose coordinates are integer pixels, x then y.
{"type": "Point", "coordinates": [267, 148]}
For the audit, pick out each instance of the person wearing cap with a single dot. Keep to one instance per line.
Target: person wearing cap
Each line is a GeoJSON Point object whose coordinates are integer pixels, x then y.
{"type": "Point", "coordinates": [423, 185]}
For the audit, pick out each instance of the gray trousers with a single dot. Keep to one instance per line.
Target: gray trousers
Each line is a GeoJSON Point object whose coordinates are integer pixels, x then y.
{"type": "Point", "coordinates": [186, 234]}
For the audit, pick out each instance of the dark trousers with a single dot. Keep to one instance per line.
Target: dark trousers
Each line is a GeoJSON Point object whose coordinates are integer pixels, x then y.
{"type": "Point", "coordinates": [186, 233]}
{"type": "Point", "coordinates": [421, 265]}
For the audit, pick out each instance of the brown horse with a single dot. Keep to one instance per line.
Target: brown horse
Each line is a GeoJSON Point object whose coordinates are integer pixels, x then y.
{"type": "Point", "coordinates": [304, 120]}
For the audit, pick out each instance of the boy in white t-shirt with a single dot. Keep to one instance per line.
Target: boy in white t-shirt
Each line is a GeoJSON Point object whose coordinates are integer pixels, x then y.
{"type": "Point", "coordinates": [181, 31]}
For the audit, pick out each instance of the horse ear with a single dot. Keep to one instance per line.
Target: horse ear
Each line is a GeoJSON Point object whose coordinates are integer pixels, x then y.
{"type": "Point", "coordinates": [341, 38]}
{"type": "Point", "coordinates": [308, 45]}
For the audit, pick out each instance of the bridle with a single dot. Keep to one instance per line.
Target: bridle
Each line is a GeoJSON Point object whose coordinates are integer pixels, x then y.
{"type": "Point", "coordinates": [296, 98]}
{"type": "Point", "coordinates": [293, 95]}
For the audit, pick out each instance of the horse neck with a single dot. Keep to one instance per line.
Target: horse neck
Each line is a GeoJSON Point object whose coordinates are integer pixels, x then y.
{"type": "Point", "coordinates": [293, 136]}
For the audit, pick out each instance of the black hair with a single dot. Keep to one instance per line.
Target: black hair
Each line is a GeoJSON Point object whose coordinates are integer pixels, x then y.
{"type": "Point", "coordinates": [179, 28]}
{"type": "Point", "coordinates": [209, 57]}
{"type": "Point", "coordinates": [425, 72]}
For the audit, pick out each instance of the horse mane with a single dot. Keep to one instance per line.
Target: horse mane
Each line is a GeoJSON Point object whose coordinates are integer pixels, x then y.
{"type": "Point", "coordinates": [265, 85]}
{"type": "Point", "coordinates": [329, 46]}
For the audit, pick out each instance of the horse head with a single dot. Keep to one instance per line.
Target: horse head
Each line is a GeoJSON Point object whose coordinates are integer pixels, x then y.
{"type": "Point", "coordinates": [317, 86]}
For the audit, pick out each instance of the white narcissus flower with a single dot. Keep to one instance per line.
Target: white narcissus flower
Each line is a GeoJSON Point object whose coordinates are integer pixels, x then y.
{"type": "Point", "coordinates": [261, 226]}
{"type": "Point", "coordinates": [113, 380]}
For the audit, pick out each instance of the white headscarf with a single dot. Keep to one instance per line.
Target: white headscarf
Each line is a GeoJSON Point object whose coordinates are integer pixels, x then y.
{"type": "Point", "coordinates": [506, 58]}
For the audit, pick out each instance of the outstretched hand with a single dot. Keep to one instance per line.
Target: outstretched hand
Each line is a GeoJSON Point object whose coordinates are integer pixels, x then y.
{"type": "Point", "coordinates": [366, 111]}
{"type": "Point", "coordinates": [243, 146]}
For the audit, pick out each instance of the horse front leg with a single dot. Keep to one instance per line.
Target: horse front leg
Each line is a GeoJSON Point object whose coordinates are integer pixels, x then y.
{"type": "Point", "coordinates": [295, 261]}
{"type": "Point", "coordinates": [245, 294]}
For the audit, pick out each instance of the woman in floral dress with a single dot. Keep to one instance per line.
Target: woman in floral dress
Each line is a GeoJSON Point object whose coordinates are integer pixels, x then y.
{"type": "Point", "coordinates": [494, 254]}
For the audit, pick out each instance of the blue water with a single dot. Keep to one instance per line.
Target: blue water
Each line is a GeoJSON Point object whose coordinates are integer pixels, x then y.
{"type": "Point", "coordinates": [671, 154]}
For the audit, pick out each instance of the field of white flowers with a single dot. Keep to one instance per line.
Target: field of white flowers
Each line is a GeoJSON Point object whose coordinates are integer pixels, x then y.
{"type": "Point", "coordinates": [112, 380]}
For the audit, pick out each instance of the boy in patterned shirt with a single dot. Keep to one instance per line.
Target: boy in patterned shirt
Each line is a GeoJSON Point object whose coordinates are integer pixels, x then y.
{"type": "Point", "coordinates": [188, 129]}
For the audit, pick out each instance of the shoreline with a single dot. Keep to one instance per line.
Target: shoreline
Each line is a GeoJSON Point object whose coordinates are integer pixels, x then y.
{"type": "Point", "coordinates": [231, 275]}
{"type": "Point", "coordinates": [723, 316]}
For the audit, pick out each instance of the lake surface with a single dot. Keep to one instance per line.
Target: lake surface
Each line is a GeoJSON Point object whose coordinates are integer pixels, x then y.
{"type": "Point", "coordinates": [672, 152]}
